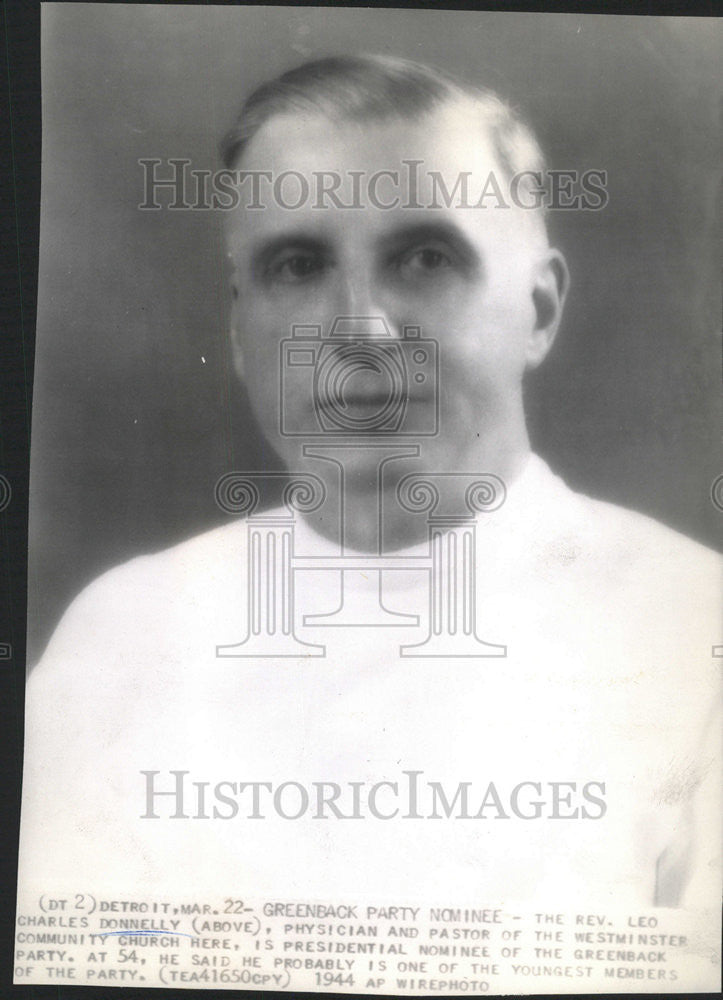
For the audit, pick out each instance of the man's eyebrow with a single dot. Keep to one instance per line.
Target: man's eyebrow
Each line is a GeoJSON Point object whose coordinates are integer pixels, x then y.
{"type": "Point", "coordinates": [265, 250]}
{"type": "Point", "coordinates": [423, 232]}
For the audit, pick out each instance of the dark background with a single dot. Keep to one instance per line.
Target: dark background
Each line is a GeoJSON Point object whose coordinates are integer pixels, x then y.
{"type": "Point", "coordinates": [136, 412]}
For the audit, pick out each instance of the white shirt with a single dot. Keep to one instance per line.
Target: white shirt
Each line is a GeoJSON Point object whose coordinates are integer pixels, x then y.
{"type": "Point", "coordinates": [608, 618]}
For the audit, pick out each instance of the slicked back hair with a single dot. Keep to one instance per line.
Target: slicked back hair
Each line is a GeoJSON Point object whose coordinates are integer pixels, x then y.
{"type": "Point", "coordinates": [373, 88]}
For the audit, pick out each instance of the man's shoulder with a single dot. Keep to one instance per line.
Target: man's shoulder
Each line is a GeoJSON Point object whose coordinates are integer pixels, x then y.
{"type": "Point", "coordinates": [637, 591]}
{"type": "Point", "coordinates": [620, 566]}
{"type": "Point", "coordinates": [625, 537]}
{"type": "Point", "coordinates": [199, 561]}
{"type": "Point", "coordinates": [148, 598]}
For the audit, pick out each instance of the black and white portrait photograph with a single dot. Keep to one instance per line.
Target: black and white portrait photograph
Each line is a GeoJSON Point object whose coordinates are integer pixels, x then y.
{"type": "Point", "coordinates": [376, 491]}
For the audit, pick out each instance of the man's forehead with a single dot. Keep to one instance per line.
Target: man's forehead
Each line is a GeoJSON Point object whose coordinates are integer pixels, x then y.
{"type": "Point", "coordinates": [366, 179]}
{"type": "Point", "coordinates": [449, 139]}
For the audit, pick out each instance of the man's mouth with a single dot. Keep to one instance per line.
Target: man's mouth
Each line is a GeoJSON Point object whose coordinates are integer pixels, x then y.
{"type": "Point", "coordinates": [359, 400]}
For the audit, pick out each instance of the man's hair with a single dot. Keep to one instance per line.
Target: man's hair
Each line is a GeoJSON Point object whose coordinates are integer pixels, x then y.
{"type": "Point", "coordinates": [380, 88]}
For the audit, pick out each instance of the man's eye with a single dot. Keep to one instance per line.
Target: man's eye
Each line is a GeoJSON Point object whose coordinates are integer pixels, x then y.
{"type": "Point", "coordinates": [296, 268]}
{"type": "Point", "coordinates": [425, 261]}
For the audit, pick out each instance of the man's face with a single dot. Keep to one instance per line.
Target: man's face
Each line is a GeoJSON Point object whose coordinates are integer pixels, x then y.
{"type": "Point", "coordinates": [481, 282]}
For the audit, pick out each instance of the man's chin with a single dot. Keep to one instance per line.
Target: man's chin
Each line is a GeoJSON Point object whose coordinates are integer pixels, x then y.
{"type": "Point", "coordinates": [367, 465]}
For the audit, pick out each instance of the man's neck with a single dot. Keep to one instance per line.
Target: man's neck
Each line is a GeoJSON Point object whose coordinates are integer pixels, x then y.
{"type": "Point", "coordinates": [362, 511]}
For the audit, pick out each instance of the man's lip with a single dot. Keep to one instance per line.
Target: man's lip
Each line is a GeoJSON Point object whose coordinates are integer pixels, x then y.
{"type": "Point", "coordinates": [376, 400]}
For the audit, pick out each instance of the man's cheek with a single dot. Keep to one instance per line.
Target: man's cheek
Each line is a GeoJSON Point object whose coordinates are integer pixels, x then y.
{"type": "Point", "coordinates": [511, 317]}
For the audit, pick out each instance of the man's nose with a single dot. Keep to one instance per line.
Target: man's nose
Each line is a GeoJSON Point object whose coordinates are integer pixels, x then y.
{"type": "Point", "coordinates": [363, 312]}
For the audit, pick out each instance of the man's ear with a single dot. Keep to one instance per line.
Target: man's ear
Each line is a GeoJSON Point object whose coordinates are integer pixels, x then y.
{"type": "Point", "coordinates": [235, 333]}
{"type": "Point", "coordinates": [551, 280]}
